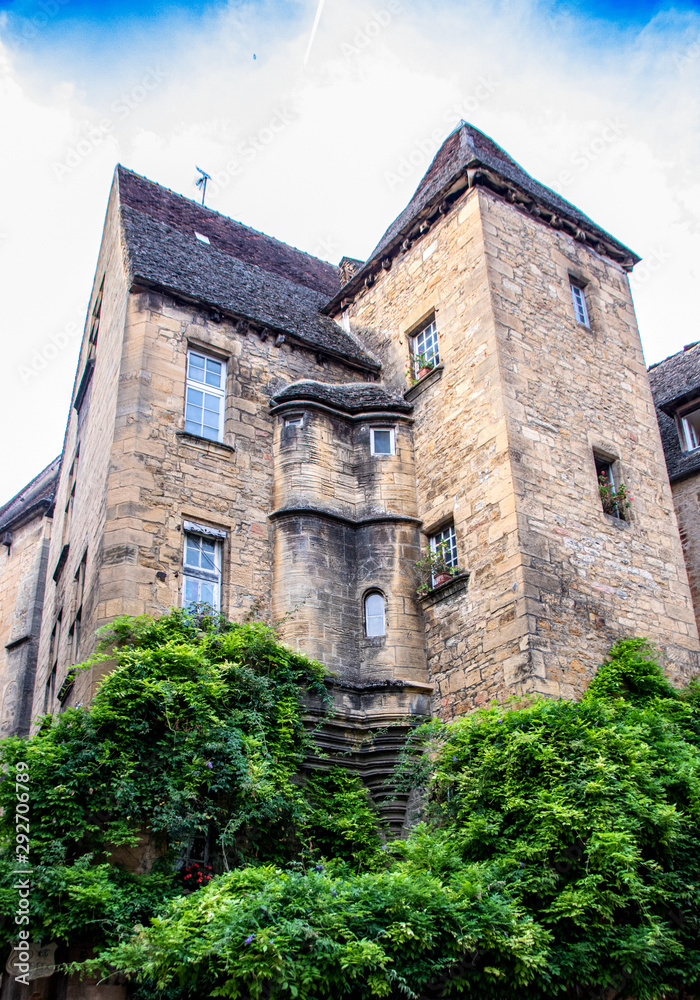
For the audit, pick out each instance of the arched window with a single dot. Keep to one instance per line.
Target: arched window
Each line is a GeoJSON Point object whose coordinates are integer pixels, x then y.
{"type": "Point", "coordinates": [375, 617]}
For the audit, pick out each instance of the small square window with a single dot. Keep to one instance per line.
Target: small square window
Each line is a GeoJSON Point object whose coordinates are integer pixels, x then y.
{"type": "Point", "coordinates": [296, 421]}
{"type": "Point", "coordinates": [382, 440]}
{"type": "Point", "coordinates": [578, 298]}
{"type": "Point", "coordinates": [424, 348]}
{"type": "Point", "coordinates": [201, 571]}
{"type": "Point", "coordinates": [204, 401]}
{"type": "Point", "coordinates": [689, 429]}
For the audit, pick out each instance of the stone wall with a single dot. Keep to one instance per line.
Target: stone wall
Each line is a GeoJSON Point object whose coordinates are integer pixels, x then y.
{"type": "Point", "coordinates": [22, 577]}
{"type": "Point", "coordinates": [573, 390]}
{"type": "Point", "coordinates": [686, 501]}
{"type": "Point", "coordinates": [504, 436]}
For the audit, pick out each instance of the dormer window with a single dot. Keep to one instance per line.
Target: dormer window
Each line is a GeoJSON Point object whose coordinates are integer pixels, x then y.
{"type": "Point", "coordinates": [689, 428]}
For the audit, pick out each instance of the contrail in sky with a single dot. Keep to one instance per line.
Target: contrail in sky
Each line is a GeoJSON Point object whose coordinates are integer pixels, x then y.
{"type": "Point", "coordinates": [313, 30]}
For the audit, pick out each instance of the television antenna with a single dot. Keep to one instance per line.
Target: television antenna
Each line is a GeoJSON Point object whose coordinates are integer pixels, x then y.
{"type": "Point", "coordinates": [202, 181]}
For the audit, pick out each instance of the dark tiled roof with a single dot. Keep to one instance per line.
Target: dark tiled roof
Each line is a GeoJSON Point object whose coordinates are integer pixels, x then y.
{"type": "Point", "coordinates": [467, 146]}
{"type": "Point", "coordinates": [37, 496]}
{"type": "Point", "coordinates": [674, 382]}
{"type": "Point", "coordinates": [464, 148]}
{"type": "Point", "coordinates": [229, 237]}
{"type": "Point", "coordinates": [352, 397]}
{"type": "Point", "coordinates": [240, 271]}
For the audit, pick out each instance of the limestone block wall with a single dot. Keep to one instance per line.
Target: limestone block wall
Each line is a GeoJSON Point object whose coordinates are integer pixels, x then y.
{"type": "Point", "coordinates": [571, 390]}
{"type": "Point", "coordinates": [22, 575]}
{"type": "Point", "coordinates": [345, 524]}
{"type": "Point", "coordinates": [87, 451]}
{"type": "Point", "coordinates": [140, 476]}
{"type": "Point", "coordinates": [463, 466]}
{"type": "Point", "coordinates": [686, 502]}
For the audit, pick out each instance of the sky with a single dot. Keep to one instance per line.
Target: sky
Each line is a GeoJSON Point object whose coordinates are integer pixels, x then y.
{"type": "Point", "coordinates": [316, 120]}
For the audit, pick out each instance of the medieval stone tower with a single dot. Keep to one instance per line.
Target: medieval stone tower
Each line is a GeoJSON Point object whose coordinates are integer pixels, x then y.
{"type": "Point", "coordinates": [242, 429]}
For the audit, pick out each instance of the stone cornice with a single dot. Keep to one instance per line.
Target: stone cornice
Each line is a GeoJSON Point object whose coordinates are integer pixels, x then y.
{"type": "Point", "coordinates": [332, 515]}
{"type": "Point", "coordinates": [476, 175]}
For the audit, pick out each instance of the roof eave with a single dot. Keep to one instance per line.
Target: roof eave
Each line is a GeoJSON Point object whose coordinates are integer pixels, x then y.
{"type": "Point", "coordinates": [138, 281]}
{"type": "Point", "coordinates": [476, 174]}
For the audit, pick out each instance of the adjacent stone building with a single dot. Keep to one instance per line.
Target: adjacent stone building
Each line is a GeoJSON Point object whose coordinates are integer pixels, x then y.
{"type": "Point", "coordinates": [252, 425]}
{"type": "Point", "coordinates": [25, 532]}
{"type": "Point", "coordinates": [675, 384]}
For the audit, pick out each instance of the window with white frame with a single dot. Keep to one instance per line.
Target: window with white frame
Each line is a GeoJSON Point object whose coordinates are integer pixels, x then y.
{"type": "Point", "coordinates": [578, 297]}
{"type": "Point", "coordinates": [689, 429]}
{"type": "Point", "coordinates": [444, 543]}
{"type": "Point", "coordinates": [375, 614]}
{"type": "Point", "coordinates": [424, 347]}
{"type": "Point", "coordinates": [382, 440]}
{"type": "Point", "coordinates": [204, 401]}
{"type": "Point", "coordinates": [201, 571]}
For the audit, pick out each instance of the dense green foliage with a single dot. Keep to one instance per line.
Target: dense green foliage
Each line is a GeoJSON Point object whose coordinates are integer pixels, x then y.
{"type": "Point", "coordinates": [196, 733]}
{"type": "Point", "coordinates": [559, 857]}
{"type": "Point", "coordinates": [559, 853]}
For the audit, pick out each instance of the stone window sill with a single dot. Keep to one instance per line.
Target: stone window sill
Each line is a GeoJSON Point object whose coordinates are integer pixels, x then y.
{"type": "Point", "coordinates": [202, 441]}
{"type": "Point", "coordinates": [454, 586]}
{"type": "Point", "coordinates": [618, 521]}
{"type": "Point", "coordinates": [434, 375]}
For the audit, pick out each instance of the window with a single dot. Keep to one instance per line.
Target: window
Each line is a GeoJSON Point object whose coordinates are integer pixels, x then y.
{"type": "Point", "coordinates": [381, 440]}
{"type": "Point", "coordinates": [296, 421]}
{"type": "Point", "coordinates": [95, 324]}
{"type": "Point", "coordinates": [204, 404]}
{"type": "Point", "coordinates": [375, 615]}
{"type": "Point", "coordinates": [201, 571]}
{"type": "Point", "coordinates": [613, 494]}
{"type": "Point", "coordinates": [50, 688]}
{"type": "Point", "coordinates": [604, 468]}
{"type": "Point", "coordinates": [74, 632]}
{"type": "Point", "coordinates": [444, 544]}
{"type": "Point", "coordinates": [424, 347]}
{"type": "Point", "coordinates": [579, 300]}
{"type": "Point", "coordinates": [690, 429]}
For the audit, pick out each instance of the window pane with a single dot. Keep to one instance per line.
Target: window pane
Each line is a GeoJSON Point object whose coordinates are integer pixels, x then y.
{"type": "Point", "coordinates": [382, 442]}
{"type": "Point", "coordinates": [374, 615]}
{"type": "Point", "coordinates": [691, 426]}
{"type": "Point", "coordinates": [447, 535]}
{"type": "Point", "coordinates": [195, 368]}
{"type": "Point", "coordinates": [580, 309]}
{"type": "Point", "coordinates": [213, 373]}
{"type": "Point", "coordinates": [426, 343]}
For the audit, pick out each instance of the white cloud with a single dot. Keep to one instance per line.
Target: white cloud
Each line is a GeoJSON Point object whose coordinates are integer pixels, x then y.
{"type": "Point", "coordinates": [325, 156]}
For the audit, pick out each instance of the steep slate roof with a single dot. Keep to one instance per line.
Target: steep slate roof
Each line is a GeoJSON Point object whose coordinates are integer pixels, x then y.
{"type": "Point", "coordinates": [674, 382]}
{"type": "Point", "coordinates": [465, 148]}
{"type": "Point", "coordinates": [240, 271]}
{"type": "Point", "coordinates": [352, 397]}
{"type": "Point", "coordinates": [36, 497]}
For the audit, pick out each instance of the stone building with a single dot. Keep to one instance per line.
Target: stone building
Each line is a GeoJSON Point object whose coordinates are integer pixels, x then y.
{"type": "Point", "coordinates": [242, 429]}
{"type": "Point", "coordinates": [25, 532]}
{"type": "Point", "coordinates": [675, 384]}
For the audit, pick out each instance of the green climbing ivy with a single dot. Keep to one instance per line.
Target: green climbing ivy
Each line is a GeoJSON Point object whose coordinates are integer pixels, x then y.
{"type": "Point", "coordinates": [559, 857]}
{"type": "Point", "coordinates": [196, 734]}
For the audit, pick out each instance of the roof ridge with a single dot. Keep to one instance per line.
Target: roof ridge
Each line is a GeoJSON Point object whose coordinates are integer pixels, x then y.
{"type": "Point", "coordinates": [205, 208]}
{"type": "Point", "coordinates": [19, 495]}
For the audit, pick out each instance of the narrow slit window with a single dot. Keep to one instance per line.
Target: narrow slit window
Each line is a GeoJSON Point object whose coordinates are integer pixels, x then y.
{"type": "Point", "coordinates": [578, 297]}
{"type": "Point", "coordinates": [204, 403]}
{"type": "Point", "coordinates": [201, 572]}
{"type": "Point", "coordinates": [375, 614]}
